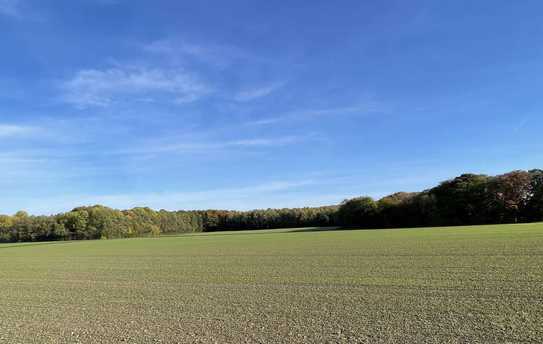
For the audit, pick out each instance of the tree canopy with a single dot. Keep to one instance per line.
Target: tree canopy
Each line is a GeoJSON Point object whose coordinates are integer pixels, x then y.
{"type": "Point", "coordinates": [465, 200]}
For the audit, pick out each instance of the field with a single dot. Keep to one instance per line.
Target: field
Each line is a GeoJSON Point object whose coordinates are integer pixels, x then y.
{"type": "Point", "coordinates": [447, 285]}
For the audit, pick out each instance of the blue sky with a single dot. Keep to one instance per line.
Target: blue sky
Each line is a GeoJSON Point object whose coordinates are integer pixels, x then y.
{"type": "Point", "coordinates": [253, 104]}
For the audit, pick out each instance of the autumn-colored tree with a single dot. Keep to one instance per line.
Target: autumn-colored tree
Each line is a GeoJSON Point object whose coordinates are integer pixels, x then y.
{"type": "Point", "coordinates": [511, 194]}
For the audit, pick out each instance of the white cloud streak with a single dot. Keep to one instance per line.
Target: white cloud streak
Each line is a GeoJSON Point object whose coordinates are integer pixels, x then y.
{"type": "Point", "coordinates": [210, 147]}
{"type": "Point", "coordinates": [292, 116]}
{"type": "Point", "coordinates": [10, 130]}
{"type": "Point", "coordinates": [258, 92]}
{"type": "Point", "coordinates": [93, 87]}
{"type": "Point", "coordinates": [180, 50]}
{"type": "Point", "coordinates": [219, 198]}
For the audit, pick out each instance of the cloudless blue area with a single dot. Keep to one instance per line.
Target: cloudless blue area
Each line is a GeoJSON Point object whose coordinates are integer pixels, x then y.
{"type": "Point", "coordinates": [250, 104]}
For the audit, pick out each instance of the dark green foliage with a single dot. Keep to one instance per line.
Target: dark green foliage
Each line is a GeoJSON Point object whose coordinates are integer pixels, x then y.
{"type": "Point", "coordinates": [466, 200]}
{"type": "Point", "coordinates": [398, 209]}
{"type": "Point", "coordinates": [358, 212]}
{"type": "Point", "coordinates": [534, 206]}
{"type": "Point", "coordinates": [463, 200]}
{"type": "Point", "coordinates": [269, 218]}
{"type": "Point", "coordinates": [99, 222]}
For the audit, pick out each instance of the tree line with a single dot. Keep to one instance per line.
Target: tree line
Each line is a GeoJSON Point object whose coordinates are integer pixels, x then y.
{"type": "Point", "coordinates": [465, 200]}
{"type": "Point", "coordinates": [470, 199]}
{"type": "Point", "coordinates": [99, 222]}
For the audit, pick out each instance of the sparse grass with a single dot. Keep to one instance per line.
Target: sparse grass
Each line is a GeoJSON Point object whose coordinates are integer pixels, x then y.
{"type": "Point", "coordinates": [447, 285]}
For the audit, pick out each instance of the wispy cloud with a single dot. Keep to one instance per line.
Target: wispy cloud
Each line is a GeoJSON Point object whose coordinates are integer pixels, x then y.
{"type": "Point", "coordinates": [365, 108]}
{"type": "Point", "coordinates": [10, 130]}
{"type": "Point", "coordinates": [242, 197]}
{"type": "Point", "coordinates": [168, 70]}
{"type": "Point", "coordinates": [170, 199]}
{"type": "Point", "coordinates": [279, 141]}
{"type": "Point", "coordinates": [212, 146]}
{"type": "Point", "coordinates": [179, 50]}
{"type": "Point", "coordinates": [94, 87]}
{"type": "Point", "coordinates": [168, 47]}
{"type": "Point", "coordinates": [10, 8]}
{"type": "Point", "coordinates": [257, 92]}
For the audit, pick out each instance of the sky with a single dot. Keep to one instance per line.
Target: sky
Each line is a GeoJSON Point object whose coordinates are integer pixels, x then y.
{"type": "Point", "coordinates": [256, 104]}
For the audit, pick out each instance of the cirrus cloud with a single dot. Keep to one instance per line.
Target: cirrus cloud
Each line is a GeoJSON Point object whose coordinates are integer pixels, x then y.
{"type": "Point", "coordinates": [95, 87]}
{"type": "Point", "coordinates": [11, 130]}
{"type": "Point", "coordinates": [258, 92]}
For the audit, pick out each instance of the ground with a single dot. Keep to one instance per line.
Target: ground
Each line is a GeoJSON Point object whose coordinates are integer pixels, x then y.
{"type": "Point", "coordinates": [443, 285]}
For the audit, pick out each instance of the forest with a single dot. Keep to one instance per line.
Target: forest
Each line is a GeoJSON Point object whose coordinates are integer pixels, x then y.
{"type": "Point", "coordinates": [469, 199]}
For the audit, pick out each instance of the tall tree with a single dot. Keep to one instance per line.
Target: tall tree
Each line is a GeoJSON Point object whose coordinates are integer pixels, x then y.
{"type": "Point", "coordinates": [511, 194]}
